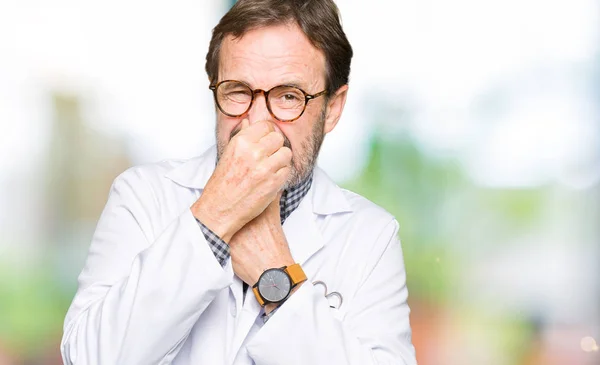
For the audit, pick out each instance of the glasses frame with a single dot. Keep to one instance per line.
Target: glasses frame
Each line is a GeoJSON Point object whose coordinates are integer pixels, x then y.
{"type": "Point", "coordinates": [307, 97]}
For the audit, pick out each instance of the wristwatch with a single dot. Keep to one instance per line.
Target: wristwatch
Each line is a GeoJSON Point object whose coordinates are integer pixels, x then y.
{"type": "Point", "coordinates": [275, 285]}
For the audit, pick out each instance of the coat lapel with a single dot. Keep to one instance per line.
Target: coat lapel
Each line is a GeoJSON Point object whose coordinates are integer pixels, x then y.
{"type": "Point", "coordinates": [302, 234]}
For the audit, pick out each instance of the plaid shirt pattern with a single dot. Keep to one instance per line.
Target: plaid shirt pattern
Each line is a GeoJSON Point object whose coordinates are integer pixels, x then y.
{"type": "Point", "coordinates": [290, 200]}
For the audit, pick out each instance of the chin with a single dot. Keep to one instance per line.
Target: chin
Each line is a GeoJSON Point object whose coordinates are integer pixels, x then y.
{"type": "Point", "coordinates": [292, 180]}
{"type": "Point", "coordinates": [296, 177]}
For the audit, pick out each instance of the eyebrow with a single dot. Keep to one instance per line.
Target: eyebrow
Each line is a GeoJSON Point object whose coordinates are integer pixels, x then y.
{"type": "Point", "coordinates": [293, 83]}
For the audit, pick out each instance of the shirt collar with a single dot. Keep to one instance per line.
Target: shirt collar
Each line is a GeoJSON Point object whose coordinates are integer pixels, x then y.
{"type": "Point", "coordinates": [292, 197]}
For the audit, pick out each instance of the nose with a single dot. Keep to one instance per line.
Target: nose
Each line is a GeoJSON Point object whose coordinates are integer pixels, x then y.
{"type": "Point", "coordinates": [259, 110]}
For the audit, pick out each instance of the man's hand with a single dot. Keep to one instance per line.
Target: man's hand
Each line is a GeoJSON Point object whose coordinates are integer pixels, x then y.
{"type": "Point", "coordinates": [260, 245]}
{"type": "Point", "coordinates": [250, 173]}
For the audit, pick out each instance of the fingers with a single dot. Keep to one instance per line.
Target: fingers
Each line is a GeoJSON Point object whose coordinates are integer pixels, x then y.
{"type": "Point", "coordinates": [271, 143]}
{"type": "Point", "coordinates": [256, 130]}
{"type": "Point", "coordinates": [280, 159]}
{"type": "Point", "coordinates": [281, 177]}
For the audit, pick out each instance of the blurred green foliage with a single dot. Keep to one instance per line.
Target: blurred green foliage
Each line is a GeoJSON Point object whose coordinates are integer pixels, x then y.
{"type": "Point", "coordinates": [33, 304]}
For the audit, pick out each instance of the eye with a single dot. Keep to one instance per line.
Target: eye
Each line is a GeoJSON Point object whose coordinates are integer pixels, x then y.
{"type": "Point", "coordinates": [237, 95]}
{"type": "Point", "coordinates": [290, 97]}
{"type": "Point", "coordinates": [237, 92]}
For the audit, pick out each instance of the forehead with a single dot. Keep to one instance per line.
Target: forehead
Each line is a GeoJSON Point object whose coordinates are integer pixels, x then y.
{"type": "Point", "coordinates": [270, 56]}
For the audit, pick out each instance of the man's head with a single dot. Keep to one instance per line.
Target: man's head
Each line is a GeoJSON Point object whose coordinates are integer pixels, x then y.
{"type": "Point", "coordinates": [267, 43]}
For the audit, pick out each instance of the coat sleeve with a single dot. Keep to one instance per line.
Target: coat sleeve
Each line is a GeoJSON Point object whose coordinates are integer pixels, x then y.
{"type": "Point", "coordinates": [140, 291]}
{"type": "Point", "coordinates": [375, 328]}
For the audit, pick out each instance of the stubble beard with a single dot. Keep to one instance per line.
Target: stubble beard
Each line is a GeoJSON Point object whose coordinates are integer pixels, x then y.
{"type": "Point", "coordinates": [303, 164]}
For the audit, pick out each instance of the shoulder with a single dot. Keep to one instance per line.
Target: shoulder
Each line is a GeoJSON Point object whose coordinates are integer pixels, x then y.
{"type": "Point", "coordinates": [189, 173]}
{"type": "Point", "coordinates": [149, 173]}
{"type": "Point", "coordinates": [364, 206]}
{"type": "Point", "coordinates": [359, 236]}
{"type": "Point", "coordinates": [148, 190]}
{"type": "Point", "coordinates": [369, 215]}
{"type": "Point", "coordinates": [163, 180]}
{"type": "Point", "coordinates": [355, 209]}
{"type": "Point", "coordinates": [152, 170]}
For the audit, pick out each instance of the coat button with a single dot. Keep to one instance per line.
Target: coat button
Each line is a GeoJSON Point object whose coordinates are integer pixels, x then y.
{"type": "Point", "coordinates": [233, 309]}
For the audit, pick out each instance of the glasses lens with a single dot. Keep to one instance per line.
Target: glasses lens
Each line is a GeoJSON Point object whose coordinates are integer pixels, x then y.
{"type": "Point", "coordinates": [233, 97]}
{"type": "Point", "coordinates": [287, 102]}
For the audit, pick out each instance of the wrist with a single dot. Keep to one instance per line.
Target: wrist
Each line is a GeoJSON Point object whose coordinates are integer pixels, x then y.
{"type": "Point", "coordinates": [270, 307]}
{"type": "Point", "coordinates": [220, 225]}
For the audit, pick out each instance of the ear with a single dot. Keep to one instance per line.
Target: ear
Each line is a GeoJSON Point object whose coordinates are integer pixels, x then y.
{"type": "Point", "coordinates": [335, 106]}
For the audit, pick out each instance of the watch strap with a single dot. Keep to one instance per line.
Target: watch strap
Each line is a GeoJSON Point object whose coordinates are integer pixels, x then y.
{"type": "Point", "coordinates": [258, 296]}
{"type": "Point", "coordinates": [296, 274]}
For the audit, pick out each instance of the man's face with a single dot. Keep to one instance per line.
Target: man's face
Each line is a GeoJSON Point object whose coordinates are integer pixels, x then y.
{"type": "Point", "coordinates": [268, 57]}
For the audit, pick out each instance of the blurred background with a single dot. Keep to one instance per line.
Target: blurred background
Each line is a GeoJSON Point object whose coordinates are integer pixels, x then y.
{"type": "Point", "coordinates": [476, 123]}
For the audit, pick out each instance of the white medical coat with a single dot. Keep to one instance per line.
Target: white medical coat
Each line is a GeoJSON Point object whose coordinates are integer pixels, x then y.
{"type": "Point", "coordinates": [152, 291]}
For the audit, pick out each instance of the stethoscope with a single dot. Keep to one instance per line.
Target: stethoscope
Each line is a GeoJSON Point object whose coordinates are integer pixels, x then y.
{"type": "Point", "coordinates": [328, 295]}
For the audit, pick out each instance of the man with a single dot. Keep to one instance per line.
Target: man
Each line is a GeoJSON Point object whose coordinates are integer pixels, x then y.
{"type": "Point", "coordinates": [248, 254]}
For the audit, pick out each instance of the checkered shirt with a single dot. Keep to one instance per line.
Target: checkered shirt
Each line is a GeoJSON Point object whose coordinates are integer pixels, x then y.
{"type": "Point", "coordinates": [290, 200]}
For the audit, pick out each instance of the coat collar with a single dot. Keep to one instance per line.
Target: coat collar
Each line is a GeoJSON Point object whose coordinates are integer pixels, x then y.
{"type": "Point", "coordinates": [326, 197]}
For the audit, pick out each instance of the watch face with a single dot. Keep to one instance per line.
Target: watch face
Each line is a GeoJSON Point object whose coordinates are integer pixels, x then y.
{"type": "Point", "coordinates": [274, 285]}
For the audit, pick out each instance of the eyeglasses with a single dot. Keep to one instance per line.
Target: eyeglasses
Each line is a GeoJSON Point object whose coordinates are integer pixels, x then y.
{"type": "Point", "coordinates": [286, 103]}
